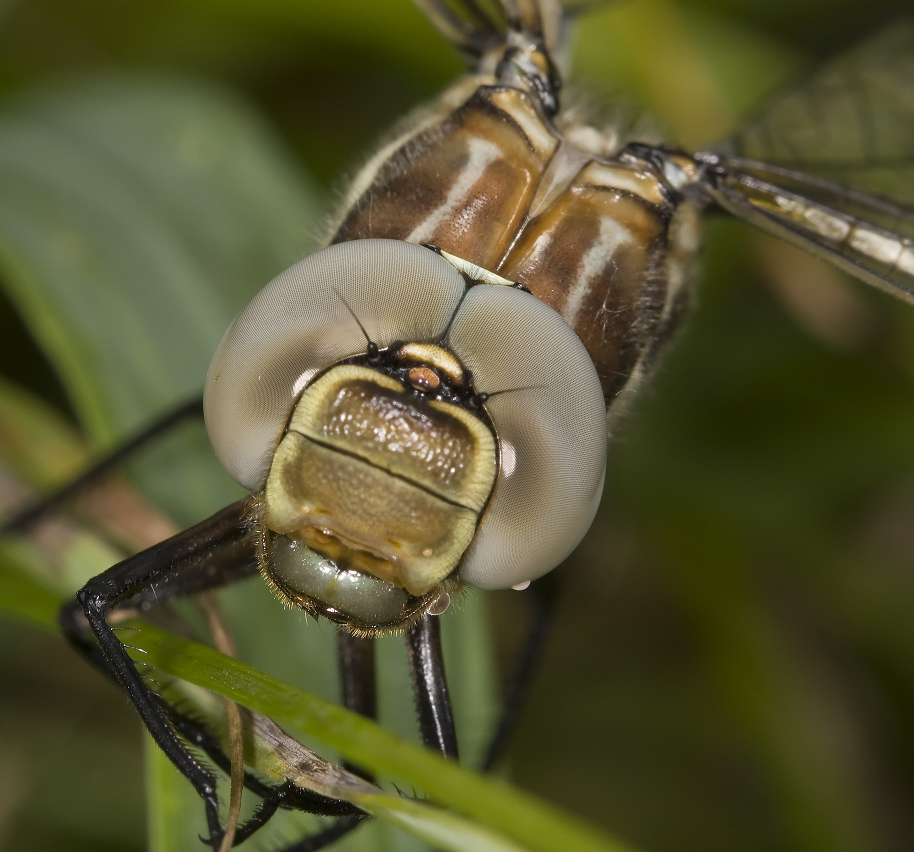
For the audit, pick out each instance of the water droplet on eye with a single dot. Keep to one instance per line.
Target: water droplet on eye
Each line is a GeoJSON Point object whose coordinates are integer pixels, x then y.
{"type": "Point", "coordinates": [521, 586]}
{"type": "Point", "coordinates": [440, 605]}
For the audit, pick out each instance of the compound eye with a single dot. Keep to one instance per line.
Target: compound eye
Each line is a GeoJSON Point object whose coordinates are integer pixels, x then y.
{"type": "Point", "coordinates": [317, 312]}
{"type": "Point", "coordinates": [546, 403]}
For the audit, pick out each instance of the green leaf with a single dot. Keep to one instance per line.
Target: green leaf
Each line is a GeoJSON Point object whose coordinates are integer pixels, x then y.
{"type": "Point", "coordinates": [137, 216]}
{"type": "Point", "coordinates": [23, 596]}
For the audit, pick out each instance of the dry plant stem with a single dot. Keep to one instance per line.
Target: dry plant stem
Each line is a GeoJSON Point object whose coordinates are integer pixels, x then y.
{"type": "Point", "coordinates": [209, 603]}
{"type": "Point", "coordinates": [286, 759]}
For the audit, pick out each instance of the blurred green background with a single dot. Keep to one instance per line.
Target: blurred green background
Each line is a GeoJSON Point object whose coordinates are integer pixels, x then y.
{"type": "Point", "coordinates": [733, 663]}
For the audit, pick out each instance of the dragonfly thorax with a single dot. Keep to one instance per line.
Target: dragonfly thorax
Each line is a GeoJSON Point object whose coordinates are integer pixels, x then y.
{"type": "Point", "coordinates": [607, 242]}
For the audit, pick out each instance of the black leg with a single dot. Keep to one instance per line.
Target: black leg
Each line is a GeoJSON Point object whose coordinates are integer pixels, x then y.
{"type": "Point", "coordinates": [544, 599]}
{"type": "Point", "coordinates": [358, 689]}
{"type": "Point", "coordinates": [358, 683]}
{"type": "Point", "coordinates": [358, 686]}
{"type": "Point", "coordinates": [25, 519]}
{"type": "Point", "coordinates": [433, 703]}
{"type": "Point", "coordinates": [274, 797]}
{"type": "Point", "coordinates": [324, 838]}
{"type": "Point", "coordinates": [212, 553]}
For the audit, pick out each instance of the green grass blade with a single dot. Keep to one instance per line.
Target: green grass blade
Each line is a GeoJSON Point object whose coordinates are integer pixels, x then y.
{"type": "Point", "coordinates": [501, 818]}
{"type": "Point", "coordinates": [532, 823]}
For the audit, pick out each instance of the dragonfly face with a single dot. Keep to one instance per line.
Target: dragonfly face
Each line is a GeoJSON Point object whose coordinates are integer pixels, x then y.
{"type": "Point", "coordinates": [467, 444]}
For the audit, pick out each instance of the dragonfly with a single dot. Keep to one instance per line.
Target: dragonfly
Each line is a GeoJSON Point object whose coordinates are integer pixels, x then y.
{"type": "Point", "coordinates": [858, 232]}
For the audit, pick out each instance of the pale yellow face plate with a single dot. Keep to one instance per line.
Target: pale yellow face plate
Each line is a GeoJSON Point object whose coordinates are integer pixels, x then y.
{"type": "Point", "coordinates": [380, 480]}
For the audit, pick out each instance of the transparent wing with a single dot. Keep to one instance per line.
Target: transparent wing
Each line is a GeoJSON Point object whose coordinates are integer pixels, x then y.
{"type": "Point", "coordinates": [829, 166]}
{"type": "Point", "coordinates": [851, 122]}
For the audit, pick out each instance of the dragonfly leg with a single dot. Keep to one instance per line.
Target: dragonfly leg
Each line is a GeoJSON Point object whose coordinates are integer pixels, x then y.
{"type": "Point", "coordinates": [358, 687]}
{"type": "Point", "coordinates": [433, 702]}
{"type": "Point", "coordinates": [212, 553]}
{"type": "Point", "coordinates": [23, 520]}
{"type": "Point", "coordinates": [544, 598]}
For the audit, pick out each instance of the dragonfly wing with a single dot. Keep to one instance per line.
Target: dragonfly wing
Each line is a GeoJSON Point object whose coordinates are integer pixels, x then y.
{"type": "Point", "coordinates": [850, 124]}
{"type": "Point", "coordinates": [870, 237]}
{"type": "Point", "coordinates": [852, 121]}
